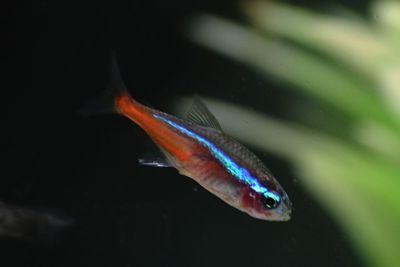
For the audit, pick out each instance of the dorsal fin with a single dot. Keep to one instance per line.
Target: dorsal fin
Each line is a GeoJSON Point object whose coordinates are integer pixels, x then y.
{"type": "Point", "coordinates": [201, 115]}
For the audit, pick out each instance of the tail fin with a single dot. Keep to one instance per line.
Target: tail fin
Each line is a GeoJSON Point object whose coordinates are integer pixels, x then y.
{"type": "Point", "coordinates": [105, 102]}
{"type": "Point", "coordinates": [116, 83]}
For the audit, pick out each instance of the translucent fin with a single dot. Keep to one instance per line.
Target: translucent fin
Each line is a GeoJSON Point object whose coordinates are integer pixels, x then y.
{"type": "Point", "coordinates": [201, 115]}
{"type": "Point", "coordinates": [155, 162]}
{"type": "Point", "coordinates": [154, 157]}
{"type": "Point", "coordinates": [104, 102]}
{"type": "Point", "coordinates": [116, 82]}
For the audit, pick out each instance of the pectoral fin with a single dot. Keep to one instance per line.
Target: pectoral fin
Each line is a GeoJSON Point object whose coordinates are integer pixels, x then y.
{"type": "Point", "coordinates": [154, 162]}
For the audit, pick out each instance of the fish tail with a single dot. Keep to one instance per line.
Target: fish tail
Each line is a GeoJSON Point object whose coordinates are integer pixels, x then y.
{"type": "Point", "coordinates": [107, 101]}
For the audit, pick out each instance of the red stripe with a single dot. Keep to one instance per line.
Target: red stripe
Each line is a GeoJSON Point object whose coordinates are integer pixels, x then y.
{"type": "Point", "coordinates": [170, 140]}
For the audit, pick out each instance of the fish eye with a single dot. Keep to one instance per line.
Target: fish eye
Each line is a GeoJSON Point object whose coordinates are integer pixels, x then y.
{"type": "Point", "coordinates": [270, 202]}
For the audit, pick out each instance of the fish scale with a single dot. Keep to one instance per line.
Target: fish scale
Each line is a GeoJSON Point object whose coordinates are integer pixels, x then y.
{"type": "Point", "coordinates": [237, 151]}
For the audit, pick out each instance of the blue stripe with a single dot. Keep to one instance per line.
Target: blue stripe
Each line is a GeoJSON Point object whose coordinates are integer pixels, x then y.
{"type": "Point", "coordinates": [238, 172]}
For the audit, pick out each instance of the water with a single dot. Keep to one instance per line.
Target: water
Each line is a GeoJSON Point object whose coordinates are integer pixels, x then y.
{"type": "Point", "coordinates": [126, 214]}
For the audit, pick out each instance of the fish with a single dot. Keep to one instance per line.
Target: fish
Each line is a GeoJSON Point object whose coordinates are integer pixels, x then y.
{"type": "Point", "coordinates": [199, 149]}
{"type": "Point", "coordinates": [32, 224]}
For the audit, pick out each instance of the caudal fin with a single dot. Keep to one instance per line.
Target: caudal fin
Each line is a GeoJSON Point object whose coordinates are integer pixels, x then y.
{"type": "Point", "coordinates": [116, 83]}
{"type": "Point", "coordinates": [105, 102]}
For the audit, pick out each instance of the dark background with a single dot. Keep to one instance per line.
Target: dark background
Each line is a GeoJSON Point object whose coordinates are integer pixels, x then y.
{"type": "Point", "coordinates": [56, 57]}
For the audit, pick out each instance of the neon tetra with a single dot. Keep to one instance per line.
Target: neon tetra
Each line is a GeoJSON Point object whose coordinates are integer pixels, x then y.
{"type": "Point", "coordinates": [198, 148]}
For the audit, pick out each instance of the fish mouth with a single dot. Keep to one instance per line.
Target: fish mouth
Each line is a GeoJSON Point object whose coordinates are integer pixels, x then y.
{"type": "Point", "coordinates": [281, 217]}
{"type": "Point", "coordinates": [278, 215]}
{"type": "Point", "coordinates": [282, 213]}
{"type": "Point", "coordinates": [285, 217]}
{"type": "Point", "coordinates": [285, 210]}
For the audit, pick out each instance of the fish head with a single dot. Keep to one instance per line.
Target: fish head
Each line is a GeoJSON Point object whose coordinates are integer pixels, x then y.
{"type": "Point", "coordinates": [270, 205]}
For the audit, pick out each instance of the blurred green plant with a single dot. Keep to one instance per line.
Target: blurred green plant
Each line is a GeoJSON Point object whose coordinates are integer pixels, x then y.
{"type": "Point", "coordinates": [351, 64]}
